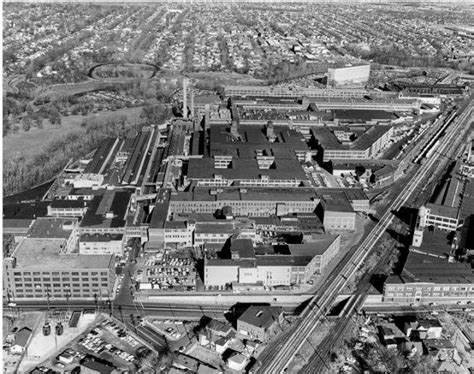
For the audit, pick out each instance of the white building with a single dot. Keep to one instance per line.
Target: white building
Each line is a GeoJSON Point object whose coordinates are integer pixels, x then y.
{"type": "Point", "coordinates": [348, 75]}
{"type": "Point", "coordinates": [98, 244]}
{"type": "Point", "coordinates": [179, 233]}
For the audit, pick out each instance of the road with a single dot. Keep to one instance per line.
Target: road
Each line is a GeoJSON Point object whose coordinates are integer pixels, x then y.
{"type": "Point", "coordinates": [277, 357]}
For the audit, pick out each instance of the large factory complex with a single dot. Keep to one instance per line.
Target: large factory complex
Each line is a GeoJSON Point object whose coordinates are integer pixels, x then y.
{"type": "Point", "coordinates": [259, 186]}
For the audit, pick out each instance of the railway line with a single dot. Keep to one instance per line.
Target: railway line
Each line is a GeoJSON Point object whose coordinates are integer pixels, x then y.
{"type": "Point", "coordinates": [277, 357]}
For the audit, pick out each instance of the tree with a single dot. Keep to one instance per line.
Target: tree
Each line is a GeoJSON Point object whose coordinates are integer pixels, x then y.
{"type": "Point", "coordinates": [359, 170]}
{"type": "Point", "coordinates": [26, 123]}
{"type": "Point", "coordinates": [6, 126]}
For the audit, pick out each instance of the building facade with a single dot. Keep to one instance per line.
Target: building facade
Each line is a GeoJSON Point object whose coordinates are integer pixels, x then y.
{"type": "Point", "coordinates": [37, 270]}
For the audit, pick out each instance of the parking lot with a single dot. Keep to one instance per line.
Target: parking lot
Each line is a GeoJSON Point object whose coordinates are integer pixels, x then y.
{"type": "Point", "coordinates": [172, 270]}
{"type": "Point", "coordinates": [104, 339]}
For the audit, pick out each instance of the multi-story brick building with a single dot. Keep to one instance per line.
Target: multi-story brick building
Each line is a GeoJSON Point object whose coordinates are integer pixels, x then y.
{"type": "Point", "coordinates": [429, 279]}
{"type": "Point", "coordinates": [40, 268]}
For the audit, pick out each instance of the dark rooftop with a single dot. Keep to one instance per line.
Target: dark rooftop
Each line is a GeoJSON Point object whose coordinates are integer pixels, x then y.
{"type": "Point", "coordinates": [365, 137]}
{"type": "Point", "coordinates": [261, 316]}
{"type": "Point", "coordinates": [115, 201]}
{"type": "Point", "coordinates": [203, 168]}
{"type": "Point", "coordinates": [100, 156]}
{"type": "Point", "coordinates": [336, 202]}
{"type": "Point", "coordinates": [25, 210]}
{"type": "Point", "coordinates": [422, 268]}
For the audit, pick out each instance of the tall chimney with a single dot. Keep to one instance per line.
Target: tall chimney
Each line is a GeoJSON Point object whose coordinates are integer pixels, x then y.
{"type": "Point", "coordinates": [191, 99]}
{"type": "Point", "coordinates": [185, 99]}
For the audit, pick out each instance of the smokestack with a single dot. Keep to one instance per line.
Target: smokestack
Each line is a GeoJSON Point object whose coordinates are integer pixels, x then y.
{"type": "Point", "coordinates": [191, 98]}
{"type": "Point", "coordinates": [185, 99]}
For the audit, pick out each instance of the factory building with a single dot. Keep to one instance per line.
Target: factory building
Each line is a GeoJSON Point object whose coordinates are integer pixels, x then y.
{"type": "Point", "coordinates": [41, 268]}
{"type": "Point", "coordinates": [95, 244]}
{"type": "Point", "coordinates": [385, 104]}
{"type": "Point", "coordinates": [430, 279]}
{"type": "Point", "coordinates": [249, 202]}
{"type": "Point", "coordinates": [348, 75]}
{"type": "Point", "coordinates": [269, 91]}
{"type": "Point", "coordinates": [270, 267]}
{"type": "Point", "coordinates": [357, 143]}
{"type": "Point", "coordinates": [338, 214]}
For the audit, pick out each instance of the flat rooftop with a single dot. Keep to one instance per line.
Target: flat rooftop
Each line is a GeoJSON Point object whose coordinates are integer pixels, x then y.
{"type": "Point", "coordinates": [364, 137]}
{"type": "Point", "coordinates": [443, 210]}
{"type": "Point", "coordinates": [429, 269]}
{"type": "Point", "coordinates": [254, 137]}
{"type": "Point", "coordinates": [251, 193]}
{"type": "Point", "coordinates": [44, 254]}
{"type": "Point", "coordinates": [215, 228]}
{"type": "Point", "coordinates": [100, 237]}
{"type": "Point", "coordinates": [115, 202]}
{"type": "Point", "coordinates": [289, 169]}
{"type": "Point", "coordinates": [435, 242]}
{"type": "Point", "coordinates": [336, 202]}
{"type": "Point", "coordinates": [49, 227]}
{"type": "Point", "coordinates": [354, 115]}
{"type": "Point", "coordinates": [352, 194]}
{"type": "Point", "coordinates": [317, 246]}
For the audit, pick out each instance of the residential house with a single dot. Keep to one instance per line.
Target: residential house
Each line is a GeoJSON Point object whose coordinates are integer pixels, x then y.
{"type": "Point", "coordinates": [260, 322]}
{"type": "Point", "coordinates": [237, 361]}
{"type": "Point", "coordinates": [22, 338]}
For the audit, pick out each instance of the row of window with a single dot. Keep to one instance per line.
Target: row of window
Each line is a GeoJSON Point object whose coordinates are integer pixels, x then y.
{"type": "Point", "coordinates": [88, 293]}
{"type": "Point", "coordinates": [64, 279]}
{"type": "Point", "coordinates": [428, 289]}
{"type": "Point", "coordinates": [62, 273]}
{"type": "Point", "coordinates": [46, 286]}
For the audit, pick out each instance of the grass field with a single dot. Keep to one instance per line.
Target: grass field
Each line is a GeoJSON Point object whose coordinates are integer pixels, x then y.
{"type": "Point", "coordinates": [28, 144]}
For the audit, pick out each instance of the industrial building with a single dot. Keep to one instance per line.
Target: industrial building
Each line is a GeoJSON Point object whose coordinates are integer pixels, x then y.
{"type": "Point", "coordinates": [337, 213]}
{"type": "Point", "coordinates": [270, 267]}
{"type": "Point", "coordinates": [106, 213]}
{"type": "Point", "coordinates": [348, 75]}
{"type": "Point", "coordinates": [430, 279]}
{"type": "Point", "coordinates": [251, 202]}
{"type": "Point", "coordinates": [101, 244]}
{"type": "Point", "coordinates": [385, 104]}
{"type": "Point", "coordinates": [63, 230]}
{"type": "Point", "coordinates": [41, 268]}
{"type": "Point", "coordinates": [351, 143]}
{"type": "Point", "coordinates": [264, 91]}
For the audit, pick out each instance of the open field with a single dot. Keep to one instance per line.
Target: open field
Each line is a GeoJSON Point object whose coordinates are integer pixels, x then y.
{"type": "Point", "coordinates": [28, 144]}
{"type": "Point", "coordinates": [70, 89]}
